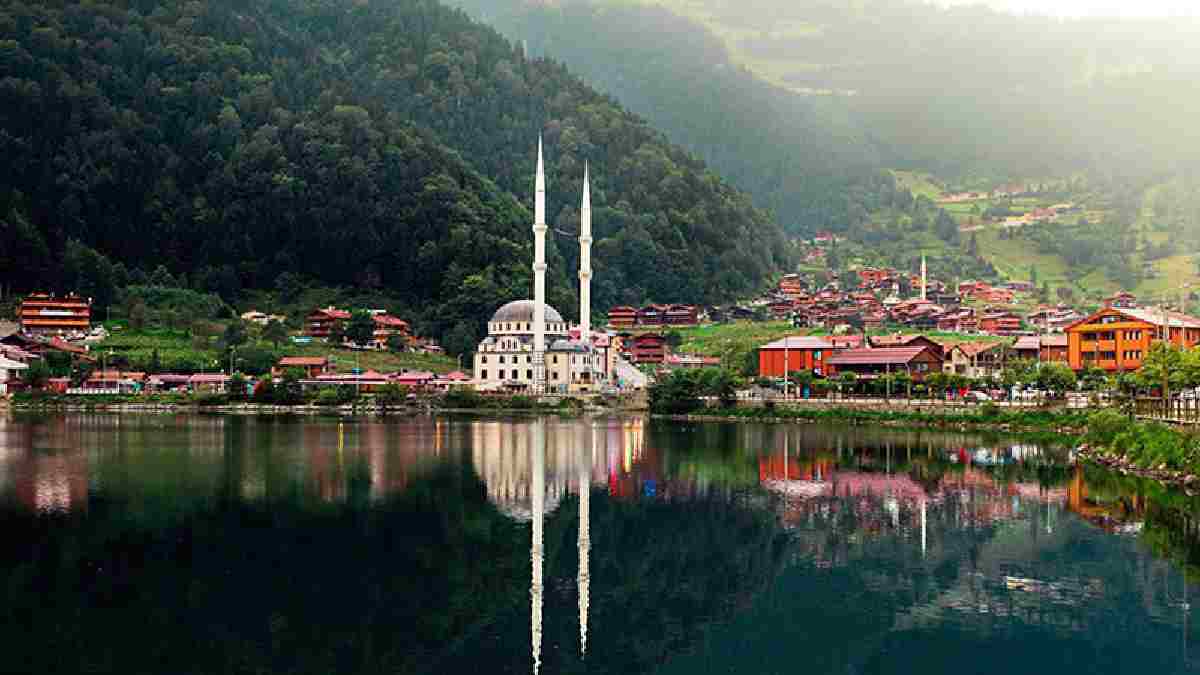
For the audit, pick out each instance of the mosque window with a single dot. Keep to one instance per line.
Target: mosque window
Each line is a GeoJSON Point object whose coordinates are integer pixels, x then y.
{"type": "Point", "coordinates": [529, 374]}
{"type": "Point", "coordinates": [483, 374]}
{"type": "Point", "coordinates": [516, 375]}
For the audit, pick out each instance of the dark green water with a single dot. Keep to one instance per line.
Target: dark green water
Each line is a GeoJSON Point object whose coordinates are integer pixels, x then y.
{"type": "Point", "coordinates": [163, 544]}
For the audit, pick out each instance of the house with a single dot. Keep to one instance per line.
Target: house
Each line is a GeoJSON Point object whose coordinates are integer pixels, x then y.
{"type": "Point", "coordinates": [652, 315]}
{"type": "Point", "coordinates": [43, 313]}
{"type": "Point", "coordinates": [975, 359]}
{"type": "Point", "coordinates": [9, 370]}
{"type": "Point", "coordinates": [164, 382]}
{"type": "Point", "coordinates": [388, 327]}
{"type": "Point", "coordinates": [792, 286]}
{"type": "Point", "coordinates": [1000, 323]}
{"type": "Point", "coordinates": [1027, 347]}
{"type": "Point", "coordinates": [917, 360]}
{"type": "Point", "coordinates": [208, 383]}
{"type": "Point", "coordinates": [648, 348]}
{"type": "Point", "coordinates": [793, 354]}
{"type": "Point", "coordinates": [912, 340]}
{"type": "Point", "coordinates": [321, 323]}
{"type": "Point", "coordinates": [311, 365]}
{"type": "Point", "coordinates": [415, 379]}
{"type": "Point", "coordinates": [1118, 338]}
{"type": "Point", "coordinates": [115, 381]}
{"type": "Point", "coordinates": [692, 361]}
{"type": "Point", "coordinates": [1054, 349]}
{"type": "Point", "coordinates": [1121, 300]}
{"type": "Point", "coordinates": [260, 318]}
{"type": "Point", "coordinates": [622, 317]}
{"type": "Point", "coordinates": [682, 315]}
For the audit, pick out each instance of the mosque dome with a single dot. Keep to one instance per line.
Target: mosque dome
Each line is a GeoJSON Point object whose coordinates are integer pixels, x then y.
{"type": "Point", "coordinates": [522, 311]}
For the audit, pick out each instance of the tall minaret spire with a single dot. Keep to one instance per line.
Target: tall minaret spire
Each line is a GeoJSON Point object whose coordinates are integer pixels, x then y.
{"type": "Point", "coordinates": [585, 540]}
{"type": "Point", "coordinates": [537, 495]}
{"type": "Point", "coordinates": [585, 261]}
{"type": "Point", "coordinates": [924, 279]}
{"type": "Point", "coordinates": [539, 277]}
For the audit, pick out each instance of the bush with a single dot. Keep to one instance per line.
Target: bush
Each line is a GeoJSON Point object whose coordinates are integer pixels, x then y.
{"type": "Point", "coordinates": [328, 397]}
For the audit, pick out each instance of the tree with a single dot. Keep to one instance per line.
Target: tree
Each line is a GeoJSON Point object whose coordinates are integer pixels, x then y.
{"type": "Point", "coordinates": [1162, 368]}
{"type": "Point", "coordinates": [235, 335]}
{"type": "Point", "coordinates": [973, 246]}
{"type": "Point", "coordinates": [162, 278]}
{"type": "Point", "coordinates": [237, 386]}
{"type": "Point", "coordinates": [275, 333]}
{"type": "Point", "coordinates": [137, 314]}
{"type": "Point", "coordinates": [674, 339]}
{"type": "Point", "coordinates": [1056, 377]}
{"type": "Point", "coordinates": [361, 328]}
{"type": "Point", "coordinates": [37, 374]}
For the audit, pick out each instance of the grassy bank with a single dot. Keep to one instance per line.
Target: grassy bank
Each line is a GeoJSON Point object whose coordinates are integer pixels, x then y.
{"type": "Point", "coordinates": [1149, 448]}
{"type": "Point", "coordinates": [982, 417]}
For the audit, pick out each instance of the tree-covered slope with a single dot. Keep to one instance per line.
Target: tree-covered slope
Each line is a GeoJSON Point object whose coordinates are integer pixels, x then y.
{"type": "Point", "coordinates": [803, 157]}
{"type": "Point", "coordinates": [373, 144]}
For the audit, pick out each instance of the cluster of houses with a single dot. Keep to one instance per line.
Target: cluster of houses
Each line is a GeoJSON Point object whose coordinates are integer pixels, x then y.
{"type": "Point", "coordinates": [653, 316]}
{"type": "Point", "coordinates": [325, 322]}
{"type": "Point", "coordinates": [1114, 339]}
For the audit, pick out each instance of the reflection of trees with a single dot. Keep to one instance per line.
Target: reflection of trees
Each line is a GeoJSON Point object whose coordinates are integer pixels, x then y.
{"type": "Point", "coordinates": [293, 586]}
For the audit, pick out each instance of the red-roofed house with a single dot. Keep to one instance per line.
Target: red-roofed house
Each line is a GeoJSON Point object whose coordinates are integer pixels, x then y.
{"type": "Point", "coordinates": [918, 361]}
{"type": "Point", "coordinates": [311, 365]}
{"type": "Point", "coordinates": [793, 354]}
{"type": "Point", "coordinates": [622, 317]}
{"type": "Point", "coordinates": [321, 322]}
{"type": "Point", "coordinates": [648, 348]}
{"type": "Point", "coordinates": [387, 327]}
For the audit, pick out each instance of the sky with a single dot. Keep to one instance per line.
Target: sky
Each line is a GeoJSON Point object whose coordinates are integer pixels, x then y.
{"type": "Point", "coordinates": [1075, 8]}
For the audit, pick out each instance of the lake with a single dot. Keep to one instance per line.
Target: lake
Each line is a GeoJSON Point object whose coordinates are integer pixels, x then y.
{"type": "Point", "coordinates": [226, 544]}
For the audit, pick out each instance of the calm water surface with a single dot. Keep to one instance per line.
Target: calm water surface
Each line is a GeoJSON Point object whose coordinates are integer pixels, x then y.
{"type": "Point", "coordinates": [192, 544]}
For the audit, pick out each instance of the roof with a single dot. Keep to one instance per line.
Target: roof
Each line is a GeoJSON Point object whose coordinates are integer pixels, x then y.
{"type": "Point", "coordinates": [208, 377]}
{"type": "Point", "coordinates": [303, 361]}
{"type": "Point", "coordinates": [1058, 340]}
{"type": "Point", "coordinates": [331, 312]}
{"type": "Point", "coordinates": [457, 375]}
{"type": "Point", "coordinates": [1150, 316]}
{"type": "Point", "coordinates": [522, 310]}
{"type": "Point", "coordinates": [386, 320]}
{"type": "Point", "coordinates": [970, 349]}
{"type": "Point", "coordinates": [7, 364]}
{"type": "Point", "coordinates": [64, 346]}
{"type": "Point", "coordinates": [876, 355]}
{"type": "Point", "coordinates": [1028, 342]}
{"type": "Point", "coordinates": [414, 376]}
{"type": "Point", "coordinates": [115, 375]}
{"type": "Point", "coordinates": [568, 346]}
{"type": "Point", "coordinates": [799, 342]}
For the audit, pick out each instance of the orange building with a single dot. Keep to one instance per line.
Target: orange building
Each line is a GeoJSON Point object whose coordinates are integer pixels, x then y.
{"type": "Point", "coordinates": [44, 313]}
{"type": "Point", "coordinates": [1118, 338]}
{"type": "Point", "coordinates": [793, 354]}
{"type": "Point", "coordinates": [622, 317]}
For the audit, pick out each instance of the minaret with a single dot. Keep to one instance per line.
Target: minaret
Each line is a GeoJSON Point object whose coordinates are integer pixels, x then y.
{"type": "Point", "coordinates": [537, 496]}
{"type": "Point", "coordinates": [585, 540]}
{"type": "Point", "coordinates": [924, 279]}
{"type": "Point", "coordinates": [585, 262]}
{"type": "Point", "coordinates": [539, 277]}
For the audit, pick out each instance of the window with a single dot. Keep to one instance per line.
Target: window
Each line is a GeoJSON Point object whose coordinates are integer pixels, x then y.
{"type": "Point", "coordinates": [554, 360]}
{"type": "Point", "coordinates": [516, 375]}
{"type": "Point", "coordinates": [1109, 319]}
{"type": "Point", "coordinates": [483, 374]}
{"type": "Point", "coordinates": [1108, 335]}
{"type": "Point", "coordinates": [529, 374]}
{"type": "Point", "coordinates": [817, 355]}
{"type": "Point", "coordinates": [554, 375]}
{"type": "Point", "coordinates": [500, 374]}
{"type": "Point", "coordinates": [501, 360]}
{"type": "Point", "coordinates": [1133, 335]}
{"type": "Point", "coordinates": [528, 359]}
{"type": "Point", "coordinates": [1108, 356]}
{"type": "Point", "coordinates": [483, 359]}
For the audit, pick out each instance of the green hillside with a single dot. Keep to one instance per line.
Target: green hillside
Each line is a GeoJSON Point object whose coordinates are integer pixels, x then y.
{"type": "Point", "coordinates": [369, 145]}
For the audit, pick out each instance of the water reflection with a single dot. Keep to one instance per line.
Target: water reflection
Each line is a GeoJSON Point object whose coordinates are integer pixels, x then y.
{"type": "Point", "coordinates": [400, 545]}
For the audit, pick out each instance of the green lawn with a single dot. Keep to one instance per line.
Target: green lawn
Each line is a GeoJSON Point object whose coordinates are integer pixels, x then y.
{"type": "Point", "coordinates": [920, 184]}
{"type": "Point", "coordinates": [178, 351]}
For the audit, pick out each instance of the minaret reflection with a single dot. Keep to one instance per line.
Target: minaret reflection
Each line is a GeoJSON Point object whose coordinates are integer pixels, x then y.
{"type": "Point", "coordinates": [538, 499]}
{"type": "Point", "coordinates": [587, 454]}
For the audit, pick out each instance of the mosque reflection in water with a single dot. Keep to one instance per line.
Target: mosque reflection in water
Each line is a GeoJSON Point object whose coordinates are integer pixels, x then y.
{"type": "Point", "coordinates": [829, 491]}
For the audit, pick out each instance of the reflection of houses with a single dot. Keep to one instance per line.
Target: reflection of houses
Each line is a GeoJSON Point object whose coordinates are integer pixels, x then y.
{"type": "Point", "coordinates": [1112, 516]}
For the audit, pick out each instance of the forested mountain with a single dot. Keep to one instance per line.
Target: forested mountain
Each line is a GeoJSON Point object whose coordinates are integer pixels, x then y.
{"type": "Point", "coordinates": [375, 144]}
{"type": "Point", "coordinates": [801, 156]}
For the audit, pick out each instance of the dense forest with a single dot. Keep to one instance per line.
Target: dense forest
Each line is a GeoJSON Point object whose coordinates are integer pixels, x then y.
{"type": "Point", "coordinates": [243, 144]}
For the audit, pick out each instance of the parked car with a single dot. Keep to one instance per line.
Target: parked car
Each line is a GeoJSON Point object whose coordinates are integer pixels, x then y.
{"type": "Point", "coordinates": [978, 396]}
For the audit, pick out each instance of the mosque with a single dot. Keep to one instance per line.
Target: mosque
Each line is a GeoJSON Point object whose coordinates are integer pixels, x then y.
{"type": "Point", "coordinates": [530, 347]}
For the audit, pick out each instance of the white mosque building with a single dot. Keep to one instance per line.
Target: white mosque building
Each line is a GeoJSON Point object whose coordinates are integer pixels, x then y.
{"type": "Point", "coordinates": [537, 351]}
